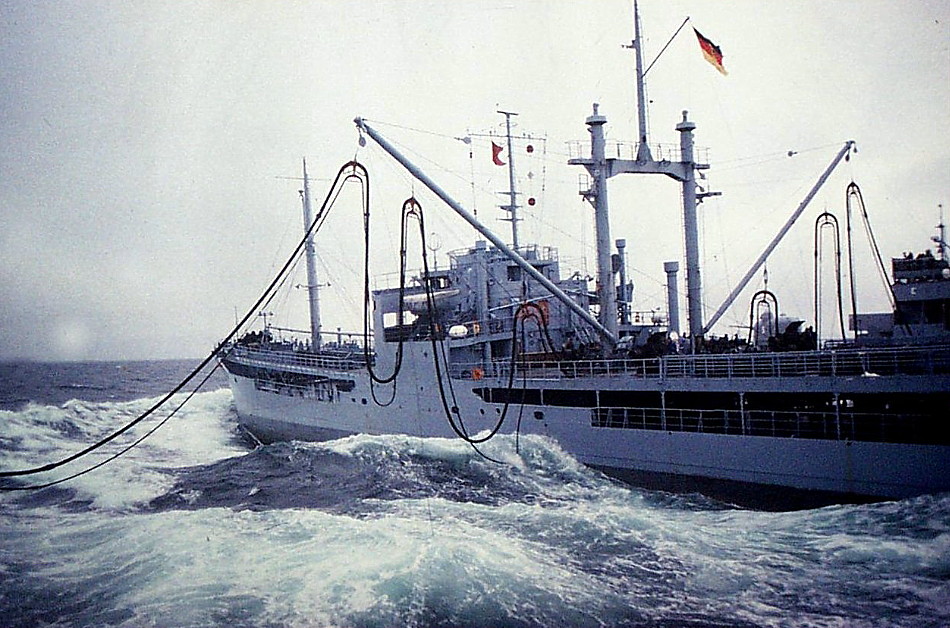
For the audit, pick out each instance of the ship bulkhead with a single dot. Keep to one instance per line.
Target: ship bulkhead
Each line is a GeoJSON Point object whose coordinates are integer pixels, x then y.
{"type": "Point", "coordinates": [862, 423]}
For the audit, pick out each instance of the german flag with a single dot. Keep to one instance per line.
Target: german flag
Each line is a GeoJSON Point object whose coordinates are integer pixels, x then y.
{"type": "Point", "coordinates": [711, 51]}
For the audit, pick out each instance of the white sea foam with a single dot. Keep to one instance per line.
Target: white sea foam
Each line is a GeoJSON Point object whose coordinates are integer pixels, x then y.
{"type": "Point", "coordinates": [297, 567]}
{"type": "Point", "coordinates": [533, 457]}
{"type": "Point", "coordinates": [198, 434]}
{"type": "Point", "coordinates": [542, 541]}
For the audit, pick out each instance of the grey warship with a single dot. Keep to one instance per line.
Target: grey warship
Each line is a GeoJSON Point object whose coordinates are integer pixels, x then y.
{"type": "Point", "coordinates": [501, 342]}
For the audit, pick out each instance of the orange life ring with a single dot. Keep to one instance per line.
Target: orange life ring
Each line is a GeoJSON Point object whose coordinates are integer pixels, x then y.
{"type": "Point", "coordinates": [477, 373]}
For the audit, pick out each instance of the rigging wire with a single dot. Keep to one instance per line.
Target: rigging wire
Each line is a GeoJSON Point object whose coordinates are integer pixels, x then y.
{"type": "Point", "coordinates": [334, 278]}
{"type": "Point", "coordinates": [265, 297]}
{"type": "Point", "coordinates": [748, 161]}
{"type": "Point", "coordinates": [414, 129]}
{"type": "Point", "coordinates": [855, 192]}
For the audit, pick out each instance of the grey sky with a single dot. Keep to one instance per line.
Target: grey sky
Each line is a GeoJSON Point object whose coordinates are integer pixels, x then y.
{"type": "Point", "coordinates": [147, 147]}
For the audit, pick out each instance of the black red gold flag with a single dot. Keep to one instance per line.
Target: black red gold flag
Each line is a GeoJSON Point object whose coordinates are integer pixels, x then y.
{"type": "Point", "coordinates": [711, 51]}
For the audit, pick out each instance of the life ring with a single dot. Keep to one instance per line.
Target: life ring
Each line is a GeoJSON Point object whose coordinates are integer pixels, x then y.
{"type": "Point", "coordinates": [477, 373]}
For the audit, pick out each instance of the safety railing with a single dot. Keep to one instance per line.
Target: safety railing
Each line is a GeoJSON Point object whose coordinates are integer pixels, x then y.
{"type": "Point", "coordinates": [580, 149]}
{"type": "Point", "coordinates": [822, 425]}
{"type": "Point", "coordinates": [924, 360]}
{"type": "Point", "coordinates": [264, 356]}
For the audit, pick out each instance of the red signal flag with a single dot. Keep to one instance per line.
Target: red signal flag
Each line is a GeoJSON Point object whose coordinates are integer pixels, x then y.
{"type": "Point", "coordinates": [495, 154]}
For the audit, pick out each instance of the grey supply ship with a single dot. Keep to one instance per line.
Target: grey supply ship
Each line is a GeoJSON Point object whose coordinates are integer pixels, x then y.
{"type": "Point", "coordinates": [500, 342]}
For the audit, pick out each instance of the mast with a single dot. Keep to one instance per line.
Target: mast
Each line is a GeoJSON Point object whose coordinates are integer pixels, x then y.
{"type": "Point", "coordinates": [601, 169]}
{"type": "Point", "coordinates": [512, 207]}
{"type": "Point", "coordinates": [694, 283]}
{"type": "Point", "coordinates": [313, 288]}
{"type": "Point", "coordinates": [941, 238]}
{"type": "Point", "coordinates": [643, 151]}
{"type": "Point", "coordinates": [606, 293]}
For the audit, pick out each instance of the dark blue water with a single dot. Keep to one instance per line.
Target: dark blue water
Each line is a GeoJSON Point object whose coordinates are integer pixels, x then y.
{"type": "Point", "coordinates": [196, 528]}
{"type": "Point", "coordinates": [45, 383]}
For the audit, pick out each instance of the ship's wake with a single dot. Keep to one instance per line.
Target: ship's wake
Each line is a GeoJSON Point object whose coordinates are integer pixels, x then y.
{"type": "Point", "coordinates": [194, 527]}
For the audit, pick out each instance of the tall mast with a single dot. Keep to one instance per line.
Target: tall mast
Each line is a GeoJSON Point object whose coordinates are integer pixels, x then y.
{"type": "Point", "coordinates": [512, 207]}
{"type": "Point", "coordinates": [684, 171]}
{"type": "Point", "coordinates": [643, 151]}
{"type": "Point", "coordinates": [313, 288]}
{"type": "Point", "coordinates": [606, 292]}
{"type": "Point", "coordinates": [694, 283]}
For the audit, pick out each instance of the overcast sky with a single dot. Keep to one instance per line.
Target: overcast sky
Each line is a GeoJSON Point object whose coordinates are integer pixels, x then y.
{"type": "Point", "coordinates": [149, 149]}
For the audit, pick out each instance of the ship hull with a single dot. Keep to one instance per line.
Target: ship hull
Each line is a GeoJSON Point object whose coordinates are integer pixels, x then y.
{"type": "Point", "coordinates": [672, 454]}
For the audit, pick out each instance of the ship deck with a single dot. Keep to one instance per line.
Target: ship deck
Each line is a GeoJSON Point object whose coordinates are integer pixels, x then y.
{"type": "Point", "coordinates": [926, 360]}
{"type": "Point", "coordinates": [876, 361]}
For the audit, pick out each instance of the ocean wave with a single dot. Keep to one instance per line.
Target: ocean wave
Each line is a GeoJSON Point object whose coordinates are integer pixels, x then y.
{"type": "Point", "coordinates": [437, 561]}
{"type": "Point", "coordinates": [201, 431]}
{"type": "Point", "coordinates": [81, 386]}
{"type": "Point", "coordinates": [343, 475]}
{"type": "Point", "coordinates": [194, 528]}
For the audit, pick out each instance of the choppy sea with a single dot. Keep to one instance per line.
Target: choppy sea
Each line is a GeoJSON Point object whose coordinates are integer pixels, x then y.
{"type": "Point", "coordinates": [197, 527]}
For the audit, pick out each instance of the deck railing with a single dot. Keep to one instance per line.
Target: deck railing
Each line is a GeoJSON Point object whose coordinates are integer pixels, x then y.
{"type": "Point", "coordinates": [924, 360]}
{"type": "Point", "coordinates": [822, 425]}
{"type": "Point", "coordinates": [265, 356]}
